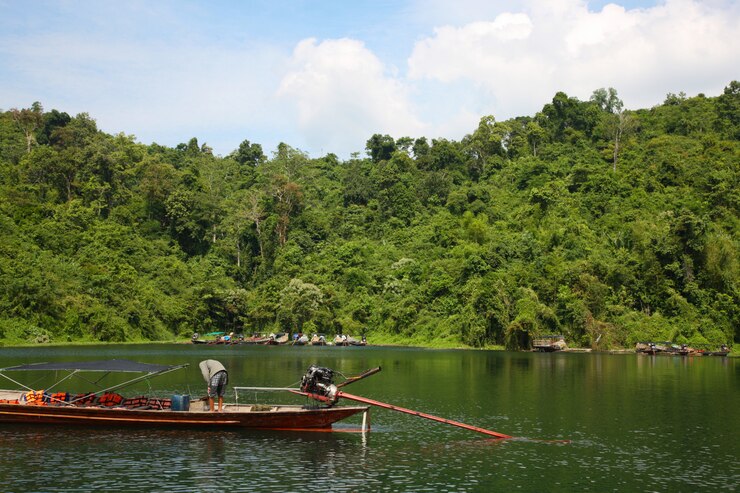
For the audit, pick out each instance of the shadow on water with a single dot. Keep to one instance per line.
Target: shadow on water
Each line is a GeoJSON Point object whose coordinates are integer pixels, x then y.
{"type": "Point", "coordinates": [169, 460]}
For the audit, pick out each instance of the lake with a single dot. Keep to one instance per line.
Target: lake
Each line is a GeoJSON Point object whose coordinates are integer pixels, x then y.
{"type": "Point", "coordinates": [635, 423]}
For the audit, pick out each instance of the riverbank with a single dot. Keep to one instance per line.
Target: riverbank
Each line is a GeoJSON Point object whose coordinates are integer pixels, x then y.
{"type": "Point", "coordinates": [384, 340]}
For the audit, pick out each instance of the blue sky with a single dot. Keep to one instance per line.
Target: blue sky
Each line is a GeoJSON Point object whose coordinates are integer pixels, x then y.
{"type": "Point", "coordinates": [323, 76]}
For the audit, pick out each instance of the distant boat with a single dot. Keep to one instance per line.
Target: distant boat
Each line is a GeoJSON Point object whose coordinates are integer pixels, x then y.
{"type": "Point", "coordinates": [345, 340]}
{"type": "Point", "coordinates": [549, 343]}
{"type": "Point", "coordinates": [723, 351]}
{"type": "Point", "coordinates": [279, 338]}
{"type": "Point", "coordinates": [685, 350]}
{"type": "Point", "coordinates": [318, 340]}
{"type": "Point", "coordinates": [652, 348]}
{"type": "Point", "coordinates": [257, 338]}
{"type": "Point", "coordinates": [217, 338]}
{"type": "Point", "coordinates": [300, 339]}
{"type": "Point", "coordinates": [668, 348]}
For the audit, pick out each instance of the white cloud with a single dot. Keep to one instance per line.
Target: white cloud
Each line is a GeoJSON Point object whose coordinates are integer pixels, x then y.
{"type": "Point", "coordinates": [167, 72]}
{"type": "Point", "coordinates": [520, 59]}
{"type": "Point", "coordinates": [343, 95]}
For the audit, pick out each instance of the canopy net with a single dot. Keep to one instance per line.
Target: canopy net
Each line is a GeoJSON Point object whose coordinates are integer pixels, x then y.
{"type": "Point", "coordinates": [117, 365]}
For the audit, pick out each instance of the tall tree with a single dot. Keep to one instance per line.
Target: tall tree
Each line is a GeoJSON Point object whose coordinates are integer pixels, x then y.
{"type": "Point", "coordinates": [620, 126]}
{"type": "Point", "coordinates": [28, 120]}
{"type": "Point", "coordinates": [607, 100]}
{"type": "Point", "coordinates": [380, 147]}
{"type": "Point", "coordinates": [249, 155]}
{"type": "Point", "coordinates": [254, 211]}
{"type": "Point", "coordinates": [535, 136]}
{"type": "Point", "coordinates": [288, 197]}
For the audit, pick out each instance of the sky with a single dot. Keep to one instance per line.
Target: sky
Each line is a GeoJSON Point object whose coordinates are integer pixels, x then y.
{"type": "Point", "coordinates": [323, 76]}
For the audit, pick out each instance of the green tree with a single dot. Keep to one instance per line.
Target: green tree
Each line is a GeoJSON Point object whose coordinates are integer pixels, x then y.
{"type": "Point", "coordinates": [28, 120]}
{"type": "Point", "coordinates": [607, 100]}
{"type": "Point", "coordinates": [300, 302]}
{"type": "Point", "coordinates": [380, 147]}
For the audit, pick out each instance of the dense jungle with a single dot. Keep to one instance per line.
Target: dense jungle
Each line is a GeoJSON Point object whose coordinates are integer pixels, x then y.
{"type": "Point", "coordinates": [607, 225]}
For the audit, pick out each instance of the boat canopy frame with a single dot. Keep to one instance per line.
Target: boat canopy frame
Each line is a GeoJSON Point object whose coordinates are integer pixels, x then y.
{"type": "Point", "coordinates": [105, 366]}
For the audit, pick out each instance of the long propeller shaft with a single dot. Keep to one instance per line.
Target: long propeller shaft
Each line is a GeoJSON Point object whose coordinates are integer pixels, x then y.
{"type": "Point", "coordinates": [373, 402]}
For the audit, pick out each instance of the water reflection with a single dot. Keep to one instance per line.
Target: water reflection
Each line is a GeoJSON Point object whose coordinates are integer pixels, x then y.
{"type": "Point", "coordinates": [636, 424]}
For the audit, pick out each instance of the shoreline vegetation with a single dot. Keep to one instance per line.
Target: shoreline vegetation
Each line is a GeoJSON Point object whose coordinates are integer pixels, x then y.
{"type": "Point", "coordinates": [607, 225]}
{"type": "Point", "coordinates": [382, 342]}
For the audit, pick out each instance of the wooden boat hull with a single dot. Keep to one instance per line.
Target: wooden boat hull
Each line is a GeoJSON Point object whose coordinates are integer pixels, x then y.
{"type": "Point", "coordinates": [546, 349]}
{"type": "Point", "coordinates": [717, 353]}
{"type": "Point", "coordinates": [276, 418]}
{"type": "Point", "coordinates": [220, 343]}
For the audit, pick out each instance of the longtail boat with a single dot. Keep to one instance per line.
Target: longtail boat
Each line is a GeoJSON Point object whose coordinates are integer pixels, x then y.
{"type": "Point", "coordinates": [652, 348]}
{"type": "Point", "coordinates": [345, 340]}
{"type": "Point", "coordinates": [724, 351]}
{"type": "Point", "coordinates": [280, 338]}
{"type": "Point", "coordinates": [218, 338]}
{"type": "Point", "coordinates": [668, 348]}
{"type": "Point", "coordinates": [257, 338]}
{"type": "Point", "coordinates": [318, 340]}
{"type": "Point", "coordinates": [108, 408]}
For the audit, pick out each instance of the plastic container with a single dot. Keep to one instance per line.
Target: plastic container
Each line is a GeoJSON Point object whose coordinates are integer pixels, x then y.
{"type": "Point", "coordinates": [180, 402]}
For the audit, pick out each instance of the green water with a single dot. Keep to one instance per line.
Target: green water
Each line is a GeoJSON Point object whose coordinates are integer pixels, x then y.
{"type": "Point", "coordinates": [636, 423]}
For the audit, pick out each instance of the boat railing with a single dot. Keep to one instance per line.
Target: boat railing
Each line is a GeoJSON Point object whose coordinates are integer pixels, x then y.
{"type": "Point", "coordinates": [259, 389]}
{"type": "Point", "coordinates": [549, 339]}
{"type": "Point", "coordinates": [365, 415]}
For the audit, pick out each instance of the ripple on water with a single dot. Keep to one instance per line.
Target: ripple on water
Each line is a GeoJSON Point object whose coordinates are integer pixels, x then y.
{"type": "Point", "coordinates": [632, 431]}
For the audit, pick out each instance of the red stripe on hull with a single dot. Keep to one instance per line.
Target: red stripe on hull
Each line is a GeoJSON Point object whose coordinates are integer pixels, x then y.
{"type": "Point", "coordinates": [285, 418]}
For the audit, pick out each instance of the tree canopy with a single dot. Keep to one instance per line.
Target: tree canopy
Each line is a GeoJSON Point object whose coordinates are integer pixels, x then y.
{"type": "Point", "coordinates": [608, 225]}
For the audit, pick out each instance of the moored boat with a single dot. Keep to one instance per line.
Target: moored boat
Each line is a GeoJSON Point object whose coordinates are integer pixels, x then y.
{"type": "Point", "coordinates": [668, 348]}
{"type": "Point", "coordinates": [218, 338]}
{"type": "Point", "coordinates": [651, 348]}
{"type": "Point", "coordinates": [345, 340]}
{"type": "Point", "coordinates": [685, 350]}
{"type": "Point", "coordinates": [300, 339]}
{"type": "Point", "coordinates": [257, 338]}
{"type": "Point", "coordinates": [318, 340]}
{"type": "Point", "coordinates": [549, 343]}
{"type": "Point", "coordinates": [280, 338]}
{"type": "Point", "coordinates": [723, 351]}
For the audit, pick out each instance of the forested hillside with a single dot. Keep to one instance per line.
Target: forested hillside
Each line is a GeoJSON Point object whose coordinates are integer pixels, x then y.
{"type": "Point", "coordinates": [606, 225]}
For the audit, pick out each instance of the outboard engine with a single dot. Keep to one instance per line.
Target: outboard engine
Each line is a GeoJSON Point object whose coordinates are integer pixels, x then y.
{"type": "Point", "coordinates": [320, 381]}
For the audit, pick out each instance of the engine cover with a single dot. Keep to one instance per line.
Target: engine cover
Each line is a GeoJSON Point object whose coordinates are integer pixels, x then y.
{"type": "Point", "coordinates": [320, 381]}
